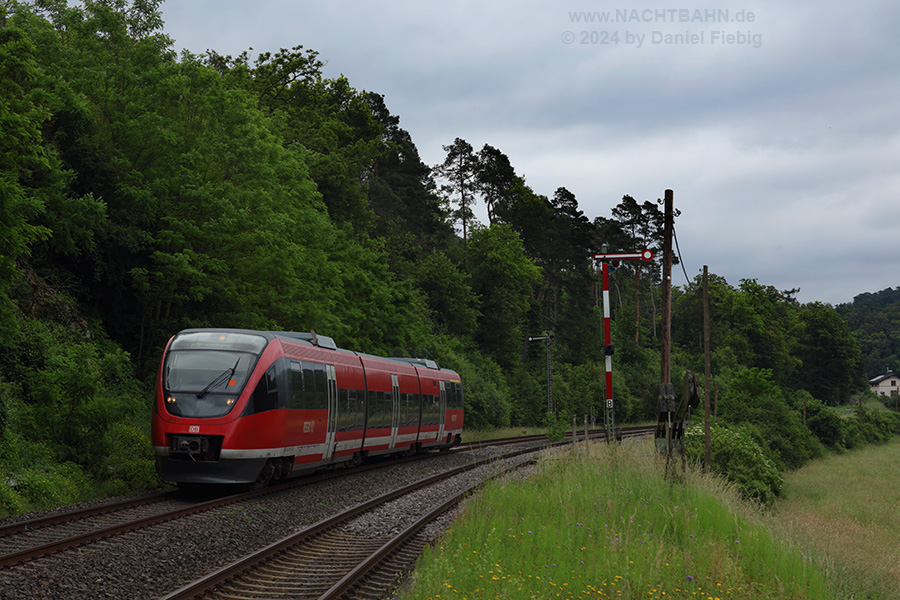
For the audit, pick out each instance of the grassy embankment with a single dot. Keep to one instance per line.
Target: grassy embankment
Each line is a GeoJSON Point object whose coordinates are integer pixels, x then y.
{"type": "Point", "coordinates": [844, 510]}
{"type": "Point", "coordinates": [605, 523]}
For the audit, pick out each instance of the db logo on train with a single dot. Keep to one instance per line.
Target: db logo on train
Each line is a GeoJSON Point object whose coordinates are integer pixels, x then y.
{"type": "Point", "coordinates": [194, 429]}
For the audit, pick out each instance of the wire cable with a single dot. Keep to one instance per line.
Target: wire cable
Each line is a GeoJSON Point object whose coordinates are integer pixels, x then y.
{"type": "Point", "coordinates": [681, 260]}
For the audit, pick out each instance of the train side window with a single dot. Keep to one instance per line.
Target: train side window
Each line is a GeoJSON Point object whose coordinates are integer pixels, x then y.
{"type": "Point", "coordinates": [434, 410]}
{"type": "Point", "coordinates": [357, 414]}
{"type": "Point", "coordinates": [309, 385]}
{"type": "Point", "coordinates": [321, 386]}
{"type": "Point", "coordinates": [384, 413]}
{"type": "Point", "coordinates": [343, 409]}
{"type": "Point", "coordinates": [297, 392]}
{"type": "Point", "coordinates": [265, 396]}
{"type": "Point", "coordinates": [373, 409]}
{"type": "Point", "coordinates": [378, 416]}
{"type": "Point", "coordinates": [410, 410]}
{"type": "Point", "coordinates": [456, 397]}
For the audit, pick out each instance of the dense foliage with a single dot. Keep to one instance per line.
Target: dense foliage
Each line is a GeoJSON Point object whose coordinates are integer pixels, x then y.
{"type": "Point", "coordinates": [874, 320]}
{"type": "Point", "coordinates": [142, 192]}
{"type": "Point", "coordinates": [737, 456]}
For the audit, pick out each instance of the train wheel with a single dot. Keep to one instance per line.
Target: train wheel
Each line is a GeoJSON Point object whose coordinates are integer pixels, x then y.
{"type": "Point", "coordinates": [278, 470]}
{"type": "Point", "coordinates": [287, 464]}
{"type": "Point", "coordinates": [265, 476]}
{"type": "Point", "coordinates": [355, 461]}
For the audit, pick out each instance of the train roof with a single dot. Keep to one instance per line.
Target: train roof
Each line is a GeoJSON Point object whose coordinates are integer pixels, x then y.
{"type": "Point", "coordinates": [322, 341]}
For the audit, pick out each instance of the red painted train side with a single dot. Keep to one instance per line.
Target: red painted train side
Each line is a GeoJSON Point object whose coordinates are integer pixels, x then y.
{"type": "Point", "coordinates": [242, 406]}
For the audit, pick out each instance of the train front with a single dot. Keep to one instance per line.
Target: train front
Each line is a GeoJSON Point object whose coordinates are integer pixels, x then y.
{"type": "Point", "coordinates": [201, 391]}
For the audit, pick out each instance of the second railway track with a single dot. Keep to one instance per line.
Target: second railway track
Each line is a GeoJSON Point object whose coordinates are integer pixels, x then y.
{"type": "Point", "coordinates": [152, 561]}
{"type": "Point", "coordinates": [344, 553]}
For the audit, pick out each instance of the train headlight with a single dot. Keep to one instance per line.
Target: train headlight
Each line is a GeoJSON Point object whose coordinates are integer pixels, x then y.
{"type": "Point", "coordinates": [170, 400]}
{"type": "Point", "coordinates": [229, 401]}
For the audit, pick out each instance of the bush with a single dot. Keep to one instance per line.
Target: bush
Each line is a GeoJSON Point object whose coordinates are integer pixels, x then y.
{"type": "Point", "coordinates": [53, 486]}
{"type": "Point", "coordinates": [529, 388]}
{"type": "Point", "coordinates": [67, 422]}
{"type": "Point", "coordinates": [877, 426]}
{"type": "Point", "coordinates": [752, 397]}
{"type": "Point", "coordinates": [11, 502]}
{"type": "Point", "coordinates": [130, 463]}
{"type": "Point", "coordinates": [852, 434]}
{"type": "Point", "coordinates": [738, 458]}
{"type": "Point", "coordinates": [825, 423]}
{"type": "Point", "coordinates": [557, 425]}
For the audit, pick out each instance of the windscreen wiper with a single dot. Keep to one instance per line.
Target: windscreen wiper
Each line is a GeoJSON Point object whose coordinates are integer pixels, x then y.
{"type": "Point", "coordinates": [226, 374]}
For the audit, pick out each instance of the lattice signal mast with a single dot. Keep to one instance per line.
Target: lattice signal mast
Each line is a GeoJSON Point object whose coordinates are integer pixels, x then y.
{"type": "Point", "coordinates": [605, 258]}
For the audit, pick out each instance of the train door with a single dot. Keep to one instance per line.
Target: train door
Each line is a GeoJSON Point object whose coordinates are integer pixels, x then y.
{"type": "Point", "coordinates": [395, 409]}
{"type": "Point", "coordinates": [443, 411]}
{"type": "Point", "coordinates": [328, 453]}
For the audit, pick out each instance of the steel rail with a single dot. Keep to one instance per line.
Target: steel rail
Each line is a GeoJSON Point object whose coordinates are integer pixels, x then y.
{"type": "Point", "coordinates": [35, 552]}
{"type": "Point", "coordinates": [365, 567]}
{"type": "Point", "coordinates": [45, 549]}
{"type": "Point", "coordinates": [84, 513]}
{"type": "Point", "coordinates": [251, 561]}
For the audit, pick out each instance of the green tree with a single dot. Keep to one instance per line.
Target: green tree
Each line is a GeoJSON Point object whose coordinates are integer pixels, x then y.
{"type": "Point", "coordinates": [644, 226]}
{"type": "Point", "coordinates": [569, 307]}
{"type": "Point", "coordinates": [402, 191]}
{"type": "Point", "coordinates": [874, 319]}
{"type": "Point", "coordinates": [453, 306]}
{"type": "Point", "coordinates": [494, 177]}
{"type": "Point", "coordinates": [761, 320]}
{"type": "Point", "coordinates": [460, 169]}
{"type": "Point", "coordinates": [832, 363]}
{"type": "Point", "coordinates": [503, 277]}
{"type": "Point", "coordinates": [334, 123]}
{"type": "Point", "coordinates": [328, 119]}
{"type": "Point", "coordinates": [753, 398]}
{"type": "Point", "coordinates": [22, 155]}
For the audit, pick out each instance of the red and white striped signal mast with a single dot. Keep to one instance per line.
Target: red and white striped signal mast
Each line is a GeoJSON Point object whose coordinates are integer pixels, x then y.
{"type": "Point", "coordinates": [604, 258]}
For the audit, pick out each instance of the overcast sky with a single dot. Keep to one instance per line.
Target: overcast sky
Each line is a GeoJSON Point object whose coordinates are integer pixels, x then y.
{"type": "Point", "coordinates": [777, 125]}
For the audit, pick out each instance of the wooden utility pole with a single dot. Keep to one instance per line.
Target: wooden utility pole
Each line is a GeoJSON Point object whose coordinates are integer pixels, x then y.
{"type": "Point", "coordinates": [666, 398]}
{"type": "Point", "coordinates": [716, 404]}
{"type": "Point", "coordinates": [706, 432]}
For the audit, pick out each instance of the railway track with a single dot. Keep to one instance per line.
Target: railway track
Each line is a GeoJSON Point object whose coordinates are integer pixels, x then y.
{"type": "Point", "coordinates": [594, 434]}
{"type": "Point", "coordinates": [34, 538]}
{"type": "Point", "coordinates": [24, 540]}
{"type": "Point", "coordinates": [24, 543]}
{"type": "Point", "coordinates": [332, 560]}
{"type": "Point", "coordinates": [31, 539]}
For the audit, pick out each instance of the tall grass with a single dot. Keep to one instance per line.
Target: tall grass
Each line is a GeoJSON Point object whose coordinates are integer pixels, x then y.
{"type": "Point", "coordinates": [604, 522]}
{"type": "Point", "coordinates": [844, 511]}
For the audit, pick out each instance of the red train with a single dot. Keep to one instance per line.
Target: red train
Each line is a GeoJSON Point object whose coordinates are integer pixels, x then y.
{"type": "Point", "coordinates": [242, 406]}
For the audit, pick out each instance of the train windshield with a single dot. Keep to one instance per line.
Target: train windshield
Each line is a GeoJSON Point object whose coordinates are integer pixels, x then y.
{"type": "Point", "coordinates": [204, 372]}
